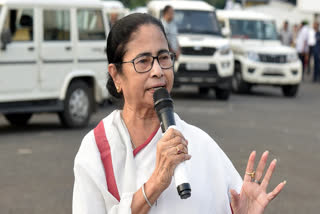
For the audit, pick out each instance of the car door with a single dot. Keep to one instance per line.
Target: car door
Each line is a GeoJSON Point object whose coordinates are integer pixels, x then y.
{"type": "Point", "coordinates": [57, 51]}
{"type": "Point", "coordinates": [91, 43]}
{"type": "Point", "coordinates": [18, 60]}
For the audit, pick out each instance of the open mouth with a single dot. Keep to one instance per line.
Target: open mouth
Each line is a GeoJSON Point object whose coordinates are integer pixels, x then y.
{"type": "Point", "coordinates": [155, 88]}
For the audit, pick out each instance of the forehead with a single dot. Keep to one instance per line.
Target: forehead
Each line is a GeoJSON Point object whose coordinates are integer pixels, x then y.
{"type": "Point", "coordinates": [148, 38]}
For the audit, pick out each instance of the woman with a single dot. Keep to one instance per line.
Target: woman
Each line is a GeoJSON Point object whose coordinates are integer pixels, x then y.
{"type": "Point", "coordinates": [125, 165]}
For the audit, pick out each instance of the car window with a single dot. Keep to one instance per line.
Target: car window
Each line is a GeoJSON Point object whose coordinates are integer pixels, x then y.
{"type": "Point", "coordinates": [196, 22]}
{"type": "Point", "coordinates": [56, 25]}
{"type": "Point", "coordinates": [20, 24]}
{"type": "Point", "coordinates": [90, 25]}
{"type": "Point", "coordinates": [253, 29]}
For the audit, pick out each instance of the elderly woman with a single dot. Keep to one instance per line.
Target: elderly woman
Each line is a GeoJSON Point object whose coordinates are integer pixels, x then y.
{"type": "Point", "coordinates": [126, 165]}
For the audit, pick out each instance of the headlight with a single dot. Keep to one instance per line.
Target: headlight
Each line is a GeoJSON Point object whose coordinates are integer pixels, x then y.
{"type": "Point", "coordinates": [292, 57]}
{"type": "Point", "coordinates": [253, 56]}
{"type": "Point", "coordinates": [225, 50]}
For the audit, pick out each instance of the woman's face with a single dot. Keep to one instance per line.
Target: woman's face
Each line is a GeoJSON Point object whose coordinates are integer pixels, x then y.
{"type": "Point", "coordinates": [138, 88]}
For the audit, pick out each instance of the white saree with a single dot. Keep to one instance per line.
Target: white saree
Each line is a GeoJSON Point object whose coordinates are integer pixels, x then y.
{"type": "Point", "coordinates": [107, 176]}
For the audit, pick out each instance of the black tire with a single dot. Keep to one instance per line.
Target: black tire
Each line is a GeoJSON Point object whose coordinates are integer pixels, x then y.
{"type": "Point", "coordinates": [222, 94]}
{"type": "Point", "coordinates": [238, 84]}
{"type": "Point", "coordinates": [290, 90]}
{"type": "Point", "coordinates": [204, 90]}
{"type": "Point", "coordinates": [78, 106]}
{"type": "Point", "coordinates": [18, 119]}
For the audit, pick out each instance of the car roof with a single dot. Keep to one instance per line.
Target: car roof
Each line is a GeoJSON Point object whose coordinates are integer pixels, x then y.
{"type": "Point", "coordinates": [242, 14]}
{"type": "Point", "coordinates": [181, 5]}
{"type": "Point", "coordinates": [52, 3]}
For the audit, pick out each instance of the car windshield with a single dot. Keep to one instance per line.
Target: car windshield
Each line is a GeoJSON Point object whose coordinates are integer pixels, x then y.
{"type": "Point", "coordinates": [253, 29]}
{"type": "Point", "coordinates": [196, 22]}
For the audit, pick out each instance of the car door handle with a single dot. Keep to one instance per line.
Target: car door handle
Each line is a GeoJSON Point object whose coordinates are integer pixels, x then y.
{"type": "Point", "coordinates": [30, 48]}
{"type": "Point", "coordinates": [68, 48]}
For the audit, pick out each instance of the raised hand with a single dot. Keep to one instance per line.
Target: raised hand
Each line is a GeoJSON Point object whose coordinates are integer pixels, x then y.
{"type": "Point", "coordinates": [253, 198]}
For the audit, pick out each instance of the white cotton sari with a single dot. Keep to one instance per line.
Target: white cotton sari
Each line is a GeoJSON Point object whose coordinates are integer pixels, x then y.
{"type": "Point", "coordinates": [106, 183]}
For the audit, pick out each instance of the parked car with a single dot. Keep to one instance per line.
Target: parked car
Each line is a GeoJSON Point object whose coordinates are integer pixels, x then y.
{"type": "Point", "coordinates": [206, 59]}
{"type": "Point", "coordinates": [52, 59]}
{"type": "Point", "coordinates": [260, 58]}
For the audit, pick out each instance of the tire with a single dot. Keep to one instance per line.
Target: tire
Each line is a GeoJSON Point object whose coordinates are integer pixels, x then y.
{"type": "Point", "coordinates": [18, 119]}
{"type": "Point", "coordinates": [78, 106]}
{"type": "Point", "coordinates": [238, 84]}
{"type": "Point", "coordinates": [290, 90]}
{"type": "Point", "coordinates": [203, 91]}
{"type": "Point", "coordinates": [222, 94]}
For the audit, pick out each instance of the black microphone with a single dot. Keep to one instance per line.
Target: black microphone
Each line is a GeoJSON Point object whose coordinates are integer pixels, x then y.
{"type": "Point", "coordinates": [163, 105]}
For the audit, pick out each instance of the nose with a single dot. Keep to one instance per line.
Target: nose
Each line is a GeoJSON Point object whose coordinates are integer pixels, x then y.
{"type": "Point", "coordinates": [156, 70]}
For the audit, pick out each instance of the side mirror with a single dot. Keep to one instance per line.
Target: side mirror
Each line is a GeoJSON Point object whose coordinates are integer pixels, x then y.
{"type": "Point", "coordinates": [5, 39]}
{"type": "Point", "coordinates": [225, 32]}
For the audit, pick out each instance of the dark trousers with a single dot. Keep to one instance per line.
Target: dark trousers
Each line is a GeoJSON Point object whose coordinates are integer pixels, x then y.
{"type": "Point", "coordinates": [301, 57]}
{"type": "Point", "coordinates": [316, 72]}
{"type": "Point", "coordinates": [311, 52]}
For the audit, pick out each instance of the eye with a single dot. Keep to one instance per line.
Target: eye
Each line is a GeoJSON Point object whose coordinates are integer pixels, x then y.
{"type": "Point", "coordinates": [143, 60]}
{"type": "Point", "coordinates": [164, 57]}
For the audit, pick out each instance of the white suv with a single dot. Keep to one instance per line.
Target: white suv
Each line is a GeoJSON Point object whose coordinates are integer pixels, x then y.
{"type": "Point", "coordinates": [206, 59]}
{"type": "Point", "coordinates": [260, 58]}
{"type": "Point", "coordinates": [52, 59]}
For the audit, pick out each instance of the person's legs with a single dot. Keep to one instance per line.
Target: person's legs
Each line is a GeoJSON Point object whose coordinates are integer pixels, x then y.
{"type": "Point", "coordinates": [310, 58]}
{"type": "Point", "coordinates": [316, 67]}
{"type": "Point", "coordinates": [301, 57]}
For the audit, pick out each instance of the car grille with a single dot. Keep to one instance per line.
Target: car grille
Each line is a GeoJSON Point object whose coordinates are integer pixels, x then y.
{"type": "Point", "coordinates": [201, 51]}
{"type": "Point", "coordinates": [273, 58]}
{"type": "Point", "coordinates": [182, 71]}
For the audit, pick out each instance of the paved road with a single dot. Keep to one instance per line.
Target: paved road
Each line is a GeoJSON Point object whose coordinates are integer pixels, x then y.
{"type": "Point", "coordinates": [36, 162]}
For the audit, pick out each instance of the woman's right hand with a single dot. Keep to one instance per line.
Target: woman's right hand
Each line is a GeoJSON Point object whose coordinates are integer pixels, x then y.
{"type": "Point", "coordinates": [172, 149]}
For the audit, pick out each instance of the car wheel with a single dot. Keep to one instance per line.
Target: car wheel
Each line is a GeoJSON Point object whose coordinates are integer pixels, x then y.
{"type": "Point", "coordinates": [238, 84]}
{"type": "Point", "coordinates": [222, 94]}
{"type": "Point", "coordinates": [78, 106]}
{"type": "Point", "coordinates": [18, 119]}
{"type": "Point", "coordinates": [203, 90]}
{"type": "Point", "coordinates": [290, 90]}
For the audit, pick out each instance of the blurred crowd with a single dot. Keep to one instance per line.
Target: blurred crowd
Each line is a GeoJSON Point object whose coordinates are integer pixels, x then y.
{"type": "Point", "coordinates": [305, 38]}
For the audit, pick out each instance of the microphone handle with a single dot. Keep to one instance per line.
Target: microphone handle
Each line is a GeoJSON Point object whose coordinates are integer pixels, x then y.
{"type": "Point", "coordinates": [180, 177]}
{"type": "Point", "coordinates": [166, 117]}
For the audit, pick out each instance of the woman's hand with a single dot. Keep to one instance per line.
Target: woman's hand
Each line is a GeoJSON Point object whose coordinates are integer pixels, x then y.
{"type": "Point", "coordinates": [172, 149]}
{"type": "Point", "coordinates": [253, 198]}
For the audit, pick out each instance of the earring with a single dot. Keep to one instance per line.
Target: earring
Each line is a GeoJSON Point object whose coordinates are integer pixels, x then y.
{"type": "Point", "coordinates": [118, 89]}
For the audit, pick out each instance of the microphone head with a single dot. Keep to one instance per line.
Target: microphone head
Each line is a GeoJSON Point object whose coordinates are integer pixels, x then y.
{"type": "Point", "coordinates": [162, 99]}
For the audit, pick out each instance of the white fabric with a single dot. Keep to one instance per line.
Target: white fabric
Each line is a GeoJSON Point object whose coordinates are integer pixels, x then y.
{"type": "Point", "coordinates": [302, 40]}
{"type": "Point", "coordinates": [311, 37]}
{"type": "Point", "coordinates": [210, 172]}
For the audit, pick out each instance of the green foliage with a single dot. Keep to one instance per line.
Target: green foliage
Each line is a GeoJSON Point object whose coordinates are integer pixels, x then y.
{"type": "Point", "coordinates": [219, 4]}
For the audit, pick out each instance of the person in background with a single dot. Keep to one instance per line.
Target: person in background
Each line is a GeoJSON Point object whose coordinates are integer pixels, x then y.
{"type": "Point", "coordinates": [316, 53]}
{"type": "Point", "coordinates": [171, 29]}
{"type": "Point", "coordinates": [113, 18]}
{"type": "Point", "coordinates": [295, 31]}
{"type": "Point", "coordinates": [302, 44]}
{"type": "Point", "coordinates": [229, 5]}
{"type": "Point", "coordinates": [286, 34]}
{"type": "Point", "coordinates": [311, 44]}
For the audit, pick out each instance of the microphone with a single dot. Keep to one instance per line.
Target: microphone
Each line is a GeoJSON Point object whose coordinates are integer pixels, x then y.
{"type": "Point", "coordinates": [163, 105]}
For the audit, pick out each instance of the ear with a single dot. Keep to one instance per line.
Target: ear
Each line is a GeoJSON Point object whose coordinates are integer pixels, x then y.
{"type": "Point", "coordinates": [114, 75]}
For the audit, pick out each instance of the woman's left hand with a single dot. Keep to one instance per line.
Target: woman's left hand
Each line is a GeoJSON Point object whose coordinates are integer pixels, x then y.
{"type": "Point", "coordinates": [253, 198]}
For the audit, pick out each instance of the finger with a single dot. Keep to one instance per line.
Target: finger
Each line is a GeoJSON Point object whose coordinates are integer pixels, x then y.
{"type": "Point", "coordinates": [180, 148]}
{"type": "Point", "coordinates": [267, 177]}
{"type": "Point", "coordinates": [171, 133]}
{"type": "Point", "coordinates": [276, 191]}
{"type": "Point", "coordinates": [235, 199]}
{"type": "Point", "coordinates": [261, 165]}
{"type": "Point", "coordinates": [250, 166]}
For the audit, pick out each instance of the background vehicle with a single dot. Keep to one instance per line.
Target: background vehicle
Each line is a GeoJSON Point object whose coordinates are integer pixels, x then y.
{"type": "Point", "coordinates": [260, 58]}
{"type": "Point", "coordinates": [206, 60]}
{"type": "Point", "coordinates": [114, 10]}
{"type": "Point", "coordinates": [52, 59]}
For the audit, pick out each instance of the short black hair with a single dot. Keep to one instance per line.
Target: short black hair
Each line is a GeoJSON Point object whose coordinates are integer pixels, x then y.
{"type": "Point", "coordinates": [118, 38]}
{"type": "Point", "coordinates": [166, 9]}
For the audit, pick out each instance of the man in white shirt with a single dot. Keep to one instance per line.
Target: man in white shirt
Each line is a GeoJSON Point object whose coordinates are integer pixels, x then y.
{"type": "Point", "coordinates": [302, 43]}
{"type": "Point", "coordinates": [286, 34]}
{"type": "Point", "coordinates": [171, 29]}
{"type": "Point", "coordinates": [311, 44]}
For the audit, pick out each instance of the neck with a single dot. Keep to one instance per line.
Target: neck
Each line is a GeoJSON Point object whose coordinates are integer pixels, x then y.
{"type": "Point", "coordinates": [141, 123]}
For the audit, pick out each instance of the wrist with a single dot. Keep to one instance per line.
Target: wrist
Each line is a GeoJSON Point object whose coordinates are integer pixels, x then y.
{"type": "Point", "coordinates": [153, 189]}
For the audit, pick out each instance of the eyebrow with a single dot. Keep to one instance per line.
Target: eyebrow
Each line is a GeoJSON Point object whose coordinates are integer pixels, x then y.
{"type": "Point", "coordinates": [149, 54]}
